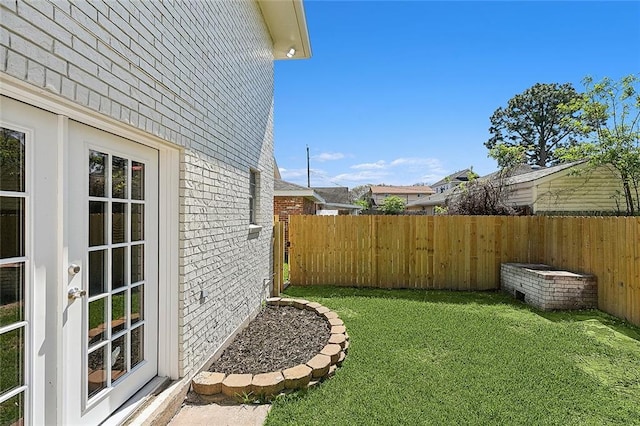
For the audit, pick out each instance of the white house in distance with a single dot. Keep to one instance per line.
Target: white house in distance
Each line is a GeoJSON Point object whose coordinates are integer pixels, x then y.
{"type": "Point", "coordinates": [408, 194]}
{"type": "Point", "coordinates": [136, 196]}
{"type": "Point", "coordinates": [562, 189]}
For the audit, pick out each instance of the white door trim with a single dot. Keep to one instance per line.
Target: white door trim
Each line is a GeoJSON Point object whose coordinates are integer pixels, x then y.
{"type": "Point", "coordinates": [168, 199]}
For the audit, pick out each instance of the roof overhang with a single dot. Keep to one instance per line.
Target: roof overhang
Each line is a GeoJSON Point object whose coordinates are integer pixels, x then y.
{"type": "Point", "coordinates": [343, 206]}
{"type": "Point", "coordinates": [309, 194]}
{"type": "Point", "coordinates": [287, 25]}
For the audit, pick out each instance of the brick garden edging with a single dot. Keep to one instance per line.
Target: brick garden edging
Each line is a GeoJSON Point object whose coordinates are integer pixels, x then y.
{"type": "Point", "coordinates": [265, 385]}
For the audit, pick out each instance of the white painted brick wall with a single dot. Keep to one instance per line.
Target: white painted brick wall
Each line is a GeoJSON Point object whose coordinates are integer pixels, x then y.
{"type": "Point", "coordinates": [198, 74]}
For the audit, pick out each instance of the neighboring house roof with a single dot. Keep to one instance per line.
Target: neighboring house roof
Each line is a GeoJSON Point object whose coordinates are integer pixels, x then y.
{"type": "Point", "coordinates": [282, 188]}
{"type": "Point", "coordinates": [287, 26]}
{"type": "Point", "coordinates": [459, 176]}
{"type": "Point", "coordinates": [433, 200]}
{"type": "Point", "coordinates": [536, 174]}
{"type": "Point", "coordinates": [337, 198]}
{"type": "Point", "coordinates": [276, 169]}
{"type": "Point", "coordinates": [334, 194]}
{"type": "Point", "coordinates": [418, 189]}
{"type": "Point", "coordinates": [521, 174]}
{"type": "Point", "coordinates": [341, 206]}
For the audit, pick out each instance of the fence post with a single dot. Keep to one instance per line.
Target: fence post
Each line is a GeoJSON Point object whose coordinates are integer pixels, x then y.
{"type": "Point", "coordinates": [278, 257]}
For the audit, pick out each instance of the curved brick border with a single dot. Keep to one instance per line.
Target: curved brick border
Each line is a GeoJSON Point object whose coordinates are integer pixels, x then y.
{"type": "Point", "coordinates": [266, 385]}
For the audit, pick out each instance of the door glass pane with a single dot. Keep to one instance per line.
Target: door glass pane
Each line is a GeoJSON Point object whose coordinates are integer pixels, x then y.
{"type": "Point", "coordinates": [137, 346]}
{"type": "Point", "coordinates": [97, 272]}
{"type": "Point", "coordinates": [12, 356]}
{"type": "Point", "coordinates": [137, 304]}
{"type": "Point", "coordinates": [97, 375]}
{"type": "Point", "coordinates": [118, 267]}
{"type": "Point", "coordinates": [97, 173]}
{"type": "Point", "coordinates": [118, 312]}
{"type": "Point", "coordinates": [119, 357]}
{"type": "Point", "coordinates": [137, 180]}
{"type": "Point", "coordinates": [119, 177]}
{"type": "Point", "coordinates": [119, 223]}
{"type": "Point", "coordinates": [11, 293]}
{"type": "Point", "coordinates": [97, 223]}
{"type": "Point", "coordinates": [115, 222]}
{"type": "Point", "coordinates": [11, 227]}
{"type": "Point", "coordinates": [137, 222]}
{"type": "Point", "coordinates": [12, 160]}
{"type": "Point", "coordinates": [97, 314]}
{"type": "Point", "coordinates": [137, 263]}
{"type": "Point", "coordinates": [11, 410]}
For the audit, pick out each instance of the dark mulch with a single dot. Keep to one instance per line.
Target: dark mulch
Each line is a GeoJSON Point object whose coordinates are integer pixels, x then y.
{"type": "Point", "coordinates": [278, 338]}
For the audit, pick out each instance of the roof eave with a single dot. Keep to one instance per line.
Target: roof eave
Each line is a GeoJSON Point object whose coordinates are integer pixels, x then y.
{"type": "Point", "coordinates": [344, 206]}
{"type": "Point", "coordinates": [287, 25]}
{"type": "Point", "coordinates": [309, 194]}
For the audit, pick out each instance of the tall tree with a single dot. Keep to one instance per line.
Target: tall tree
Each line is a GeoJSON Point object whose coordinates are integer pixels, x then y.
{"type": "Point", "coordinates": [532, 120]}
{"type": "Point", "coordinates": [611, 111]}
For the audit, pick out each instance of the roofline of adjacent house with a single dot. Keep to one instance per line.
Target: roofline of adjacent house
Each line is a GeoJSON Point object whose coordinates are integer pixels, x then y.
{"type": "Point", "coordinates": [287, 25]}
{"type": "Point", "coordinates": [344, 206]}
{"type": "Point", "coordinates": [311, 194]}
{"type": "Point", "coordinates": [411, 190]}
{"type": "Point", "coordinates": [427, 202]}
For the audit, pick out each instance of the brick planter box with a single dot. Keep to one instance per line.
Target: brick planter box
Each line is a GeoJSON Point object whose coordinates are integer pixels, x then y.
{"type": "Point", "coordinates": [549, 289]}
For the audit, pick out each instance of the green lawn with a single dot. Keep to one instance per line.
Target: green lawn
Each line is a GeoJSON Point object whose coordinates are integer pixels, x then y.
{"type": "Point", "coordinates": [431, 357]}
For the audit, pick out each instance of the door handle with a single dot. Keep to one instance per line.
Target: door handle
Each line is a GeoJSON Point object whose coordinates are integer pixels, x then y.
{"type": "Point", "coordinates": [76, 293]}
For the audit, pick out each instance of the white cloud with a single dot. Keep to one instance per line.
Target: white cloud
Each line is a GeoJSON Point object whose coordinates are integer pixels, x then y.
{"type": "Point", "coordinates": [328, 156]}
{"type": "Point", "coordinates": [366, 176]}
{"type": "Point", "coordinates": [399, 171]}
{"type": "Point", "coordinates": [369, 166]}
{"type": "Point", "coordinates": [413, 161]}
{"type": "Point", "coordinates": [292, 173]}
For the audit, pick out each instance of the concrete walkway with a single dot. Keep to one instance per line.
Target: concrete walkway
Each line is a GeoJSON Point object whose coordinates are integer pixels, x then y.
{"type": "Point", "coordinates": [221, 415]}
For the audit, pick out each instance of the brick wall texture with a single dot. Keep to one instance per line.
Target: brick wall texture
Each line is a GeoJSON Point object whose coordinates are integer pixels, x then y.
{"type": "Point", "coordinates": [549, 289]}
{"type": "Point", "coordinates": [198, 74]}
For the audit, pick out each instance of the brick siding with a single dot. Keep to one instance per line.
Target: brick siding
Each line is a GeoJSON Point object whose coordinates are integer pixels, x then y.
{"type": "Point", "coordinates": [199, 75]}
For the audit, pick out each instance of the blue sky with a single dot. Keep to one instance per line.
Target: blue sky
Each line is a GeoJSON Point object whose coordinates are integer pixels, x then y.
{"type": "Point", "coordinates": [400, 92]}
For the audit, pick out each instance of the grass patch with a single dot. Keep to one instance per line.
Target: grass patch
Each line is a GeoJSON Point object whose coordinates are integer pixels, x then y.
{"type": "Point", "coordinates": [431, 357]}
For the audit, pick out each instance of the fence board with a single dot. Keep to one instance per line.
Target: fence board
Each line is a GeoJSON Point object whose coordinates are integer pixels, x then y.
{"type": "Point", "coordinates": [465, 252]}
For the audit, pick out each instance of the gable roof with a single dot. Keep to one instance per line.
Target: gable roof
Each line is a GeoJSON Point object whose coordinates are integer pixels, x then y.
{"type": "Point", "coordinates": [283, 188]}
{"type": "Point", "coordinates": [338, 195]}
{"type": "Point", "coordinates": [417, 189]}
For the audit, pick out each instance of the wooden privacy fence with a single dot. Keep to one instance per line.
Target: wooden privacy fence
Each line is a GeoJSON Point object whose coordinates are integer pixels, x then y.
{"type": "Point", "coordinates": [465, 252]}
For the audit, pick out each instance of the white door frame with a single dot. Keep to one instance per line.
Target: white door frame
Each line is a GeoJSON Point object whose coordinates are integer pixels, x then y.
{"type": "Point", "coordinates": [168, 221]}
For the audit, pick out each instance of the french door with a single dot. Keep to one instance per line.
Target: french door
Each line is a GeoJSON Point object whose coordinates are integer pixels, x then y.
{"type": "Point", "coordinates": [110, 334]}
{"type": "Point", "coordinates": [28, 263]}
{"type": "Point", "coordinates": [78, 268]}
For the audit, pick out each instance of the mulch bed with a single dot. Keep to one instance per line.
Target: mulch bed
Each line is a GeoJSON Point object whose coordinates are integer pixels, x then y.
{"type": "Point", "coordinates": [277, 339]}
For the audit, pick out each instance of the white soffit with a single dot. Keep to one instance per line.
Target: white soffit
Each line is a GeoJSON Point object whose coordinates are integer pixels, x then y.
{"type": "Point", "coordinates": [287, 26]}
